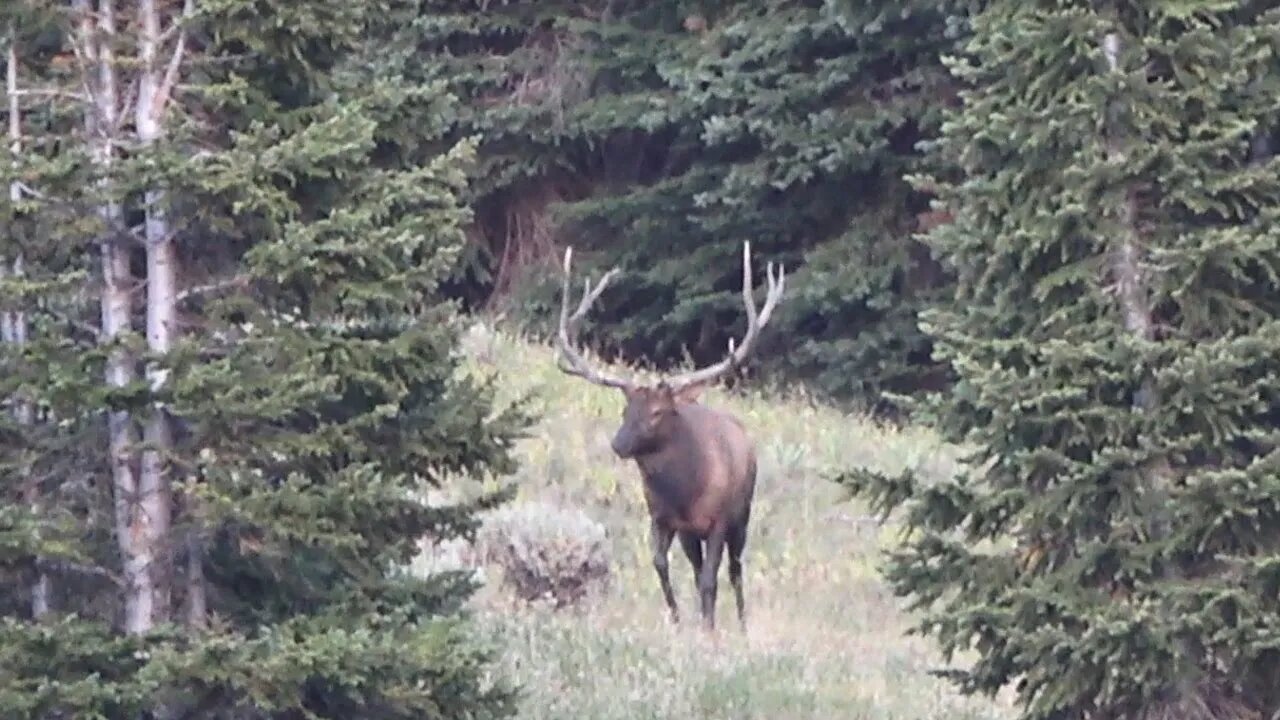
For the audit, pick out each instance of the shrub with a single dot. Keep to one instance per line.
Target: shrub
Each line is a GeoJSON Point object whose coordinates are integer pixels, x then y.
{"type": "Point", "coordinates": [547, 552]}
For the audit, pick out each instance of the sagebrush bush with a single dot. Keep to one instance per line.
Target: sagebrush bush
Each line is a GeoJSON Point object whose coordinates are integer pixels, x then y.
{"type": "Point", "coordinates": [547, 551]}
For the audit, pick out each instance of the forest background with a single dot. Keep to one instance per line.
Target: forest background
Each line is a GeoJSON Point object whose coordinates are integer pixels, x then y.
{"type": "Point", "coordinates": [242, 239]}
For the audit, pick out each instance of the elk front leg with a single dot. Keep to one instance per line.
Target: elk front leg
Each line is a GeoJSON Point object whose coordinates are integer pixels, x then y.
{"type": "Point", "coordinates": [707, 578]}
{"type": "Point", "coordinates": [660, 538]}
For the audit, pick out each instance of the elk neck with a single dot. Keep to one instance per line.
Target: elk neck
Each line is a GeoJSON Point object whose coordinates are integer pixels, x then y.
{"type": "Point", "coordinates": [673, 468]}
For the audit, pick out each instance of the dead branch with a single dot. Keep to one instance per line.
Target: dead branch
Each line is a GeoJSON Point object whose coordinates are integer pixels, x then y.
{"type": "Point", "coordinates": [238, 281]}
{"type": "Point", "coordinates": [165, 91]}
{"type": "Point", "coordinates": [74, 568]}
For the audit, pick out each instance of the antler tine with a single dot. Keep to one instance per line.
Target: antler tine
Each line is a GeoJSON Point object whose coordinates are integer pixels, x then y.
{"type": "Point", "coordinates": [777, 284]}
{"type": "Point", "coordinates": [570, 360]}
{"type": "Point", "coordinates": [755, 320]}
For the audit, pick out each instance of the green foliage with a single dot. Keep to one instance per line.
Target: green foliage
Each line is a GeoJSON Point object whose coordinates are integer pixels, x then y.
{"type": "Point", "coordinates": [74, 667]}
{"type": "Point", "coordinates": [315, 388]}
{"type": "Point", "coordinates": [1110, 549]}
{"type": "Point", "coordinates": [658, 137]}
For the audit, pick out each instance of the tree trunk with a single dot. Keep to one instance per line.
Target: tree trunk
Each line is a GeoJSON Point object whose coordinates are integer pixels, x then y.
{"type": "Point", "coordinates": [15, 322]}
{"type": "Point", "coordinates": [1131, 285]}
{"type": "Point", "coordinates": [197, 600]}
{"type": "Point", "coordinates": [97, 34]}
{"type": "Point", "coordinates": [155, 86]}
{"type": "Point", "coordinates": [1126, 264]}
{"type": "Point", "coordinates": [154, 485]}
{"type": "Point", "coordinates": [1133, 292]}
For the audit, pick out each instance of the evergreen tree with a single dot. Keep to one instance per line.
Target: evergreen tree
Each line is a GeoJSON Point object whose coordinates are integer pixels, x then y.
{"type": "Point", "coordinates": [515, 68]}
{"type": "Point", "coordinates": [797, 124]}
{"type": "Point", "coordinates": [290, 218]}
{"type": "Point", "coordinates": [1112, 546]}
{"type": "Point", "coordinates": [659, 136]}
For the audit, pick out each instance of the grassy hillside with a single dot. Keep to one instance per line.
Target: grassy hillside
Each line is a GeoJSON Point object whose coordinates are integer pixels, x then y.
{"type": "Point", "coordinates": [826, 639]}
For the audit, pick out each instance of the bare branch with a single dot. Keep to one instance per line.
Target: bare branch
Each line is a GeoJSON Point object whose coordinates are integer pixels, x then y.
{"type": "Point", "coordinates": [66, 566]}
{"type": "Point", "coordinates": [51, 92]}
{"type": "Point", "coordinates": [7, 318]}
{"type": "Point", "coordinates": [138, 233]}
{"type": "Point", "coordinates": [92, 57]}
{"type": "Point", "coordinates": [83, 43]}
{"type": "Point", "coordinates": [94, 60]}
{"type": "Point", "coordinates": [165, 90]}
{"type": "Point", "coordinates": [756, 320]}
{"type": "Point", "coordinates": [130, 100]}
{"type": "Point", "coordinates": [27, 190]}
{"type": "Point", "coordinates": [238, 281]}
{"type": "Point", "coordinates": [570, 360]}
{"type": "Point", "coordinates": [15, 112]}
{"type": "Point", "coordinates": [89, 329]}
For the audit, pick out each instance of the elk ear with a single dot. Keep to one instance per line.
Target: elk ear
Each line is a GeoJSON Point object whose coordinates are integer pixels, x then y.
{"type": "Point", "coordinates": [689, 393]}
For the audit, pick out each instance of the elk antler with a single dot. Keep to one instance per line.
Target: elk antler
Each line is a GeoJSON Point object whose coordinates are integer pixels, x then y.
{"type": "Point", "coordinates": [755, 321]}
{"type": "Point", "coordinates": [570, 360]}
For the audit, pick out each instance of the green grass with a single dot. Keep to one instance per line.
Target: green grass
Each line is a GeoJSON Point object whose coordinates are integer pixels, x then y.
{"type": "Point", "coordinates": [826, 639]}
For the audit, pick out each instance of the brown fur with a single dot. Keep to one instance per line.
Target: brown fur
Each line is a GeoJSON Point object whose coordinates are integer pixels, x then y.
{"type": "Point", "coordinates": [699, 471]}
{"type": "Point", "coordinates": [698, 465]}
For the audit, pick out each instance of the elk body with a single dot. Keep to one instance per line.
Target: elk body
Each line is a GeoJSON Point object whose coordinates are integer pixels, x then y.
{"type": "Point", "coordinates": [698, 464]}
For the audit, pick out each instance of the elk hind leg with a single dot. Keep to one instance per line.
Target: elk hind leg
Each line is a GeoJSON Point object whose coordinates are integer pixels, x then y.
{"type": "Point", "coordinates": [736, 539]}
{"type": "Point", "coordinates": [692, 545]}
{"type": "Point", "coordinates": [660, 538]}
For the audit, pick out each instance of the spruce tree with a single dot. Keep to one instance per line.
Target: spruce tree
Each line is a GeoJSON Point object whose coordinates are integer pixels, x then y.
{"type": "Point", "coordinates": [265, 340]}
{"type": "Point", "coordinates": [658, 136]}
{"type": "Point", "coordinates": [799, 123]}
{"type": "Point", "coordinates": [1111, 546]}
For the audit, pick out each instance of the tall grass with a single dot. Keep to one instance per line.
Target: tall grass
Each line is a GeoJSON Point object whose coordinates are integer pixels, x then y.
{"type": "Point", "coordinates": [825, 638]}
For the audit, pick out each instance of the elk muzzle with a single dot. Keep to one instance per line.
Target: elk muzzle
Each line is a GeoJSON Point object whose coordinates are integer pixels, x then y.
{"type": "Point", "coordinates": [624, 442]}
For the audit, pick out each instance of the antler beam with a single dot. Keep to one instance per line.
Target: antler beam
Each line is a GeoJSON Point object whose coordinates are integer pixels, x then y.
{"type": "Point", "coordinates": [571, 360]}
{"type": "Point", "coordinates": [755, 321]}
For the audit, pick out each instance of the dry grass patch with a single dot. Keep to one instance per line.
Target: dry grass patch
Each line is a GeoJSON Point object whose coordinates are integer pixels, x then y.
{"type": "Point", "coordinates": [826, 638]}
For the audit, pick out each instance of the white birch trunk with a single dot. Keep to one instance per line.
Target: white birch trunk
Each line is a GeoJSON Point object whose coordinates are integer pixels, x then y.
{"type": "Point", "coordinates": [155, 499]}
{"type": "Point", "coordinates": [15, 146]}
{"type": "Point", "coordinates": [155, 83]}
{"type": "Point", "coordinates": [15, 323]}
{"type": "Point", "coordinates": [97, 33]}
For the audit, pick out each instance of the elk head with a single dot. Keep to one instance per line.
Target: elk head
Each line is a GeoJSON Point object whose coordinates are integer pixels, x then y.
{"type": "Point", "coordinates": [646, 420]}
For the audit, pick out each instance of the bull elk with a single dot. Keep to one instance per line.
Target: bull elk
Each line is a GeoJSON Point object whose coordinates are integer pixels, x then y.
{"type": "Point", "coordinates": [697, 463]}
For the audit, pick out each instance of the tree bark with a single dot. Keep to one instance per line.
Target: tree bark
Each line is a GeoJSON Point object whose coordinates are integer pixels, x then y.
{"type": "Point", "coordinates": [1126, 263]}
{"type": "Point", "coordinates": [154, 485]}
{"type": "Point", "coordinates": [155, 83]}
{"type": "Point", "coordinates": [197, 597]}
{"type": "Point", "coordinates": [96, 35]}
{"type": "Point", "coordinates": [1133, 292]}
{"type": "Point", "coordinates": [15, 322]}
